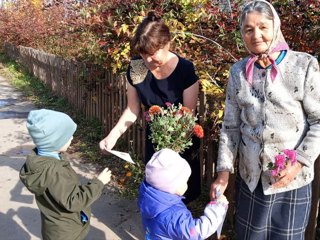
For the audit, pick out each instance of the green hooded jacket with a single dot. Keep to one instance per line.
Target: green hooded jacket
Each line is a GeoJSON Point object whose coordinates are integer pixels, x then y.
{"type": "Point", "coordinates": [59, 196]}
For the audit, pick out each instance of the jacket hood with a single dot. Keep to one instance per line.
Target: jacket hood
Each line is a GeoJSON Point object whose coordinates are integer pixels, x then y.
{"type": "Point", "coordinates": [152, 201]}
{"type": "Point", "coordinates": [36, 171]}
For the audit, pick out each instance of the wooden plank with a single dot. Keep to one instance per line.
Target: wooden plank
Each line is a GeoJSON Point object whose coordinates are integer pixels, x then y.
{"type": "Point", "coordinates": [104, 103]}
{"type": "Point", "coordinates": [111, 102]}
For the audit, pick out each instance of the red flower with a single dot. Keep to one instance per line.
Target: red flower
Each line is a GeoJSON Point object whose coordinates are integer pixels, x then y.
{"type": "Point", "coordinates": [155, 109]}
{"type": "Point", "coordinates": [185, 110]}
{"type": "Point", "coordinates": [198, 131]}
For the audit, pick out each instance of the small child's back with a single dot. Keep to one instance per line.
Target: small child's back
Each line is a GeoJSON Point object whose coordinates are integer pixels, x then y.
{"type": "Point", "coordinates": [60, 197]}
{"type": "Point", "coordinates": [63, 202]}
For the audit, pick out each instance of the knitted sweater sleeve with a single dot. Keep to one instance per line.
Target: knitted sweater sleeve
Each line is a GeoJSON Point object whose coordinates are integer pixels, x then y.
{"type": "Point", "coordinates": [309, 149]}
{"type": "Point", "coordinates": [230, 132]}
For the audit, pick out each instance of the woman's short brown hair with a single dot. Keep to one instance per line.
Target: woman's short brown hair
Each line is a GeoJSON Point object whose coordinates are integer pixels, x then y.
{"type": "Point", "coordinates": [152, 34]}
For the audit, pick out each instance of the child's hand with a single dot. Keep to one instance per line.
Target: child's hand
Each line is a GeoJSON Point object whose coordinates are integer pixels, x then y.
{"type": "Point", "coordinates": [219, 185]}
{"type": "Point", "coordinates": [105, 176]}
{"type": "Point", "coordinates": [222, 199]}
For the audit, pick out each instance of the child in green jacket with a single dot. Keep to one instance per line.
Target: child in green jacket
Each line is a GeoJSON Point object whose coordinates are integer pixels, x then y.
{"type": "Point", "coordinates": [63, 202]}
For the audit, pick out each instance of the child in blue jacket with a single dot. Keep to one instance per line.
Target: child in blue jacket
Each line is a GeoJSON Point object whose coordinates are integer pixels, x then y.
{"type": "Point", "coordinates": [164, 215]}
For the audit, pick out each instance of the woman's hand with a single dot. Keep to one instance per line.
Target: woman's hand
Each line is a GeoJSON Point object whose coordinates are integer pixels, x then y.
{"type": "Point", "coordinates": [219, 186]}
{"type": "Point", "coordinates": [109, 141]}
{"type": "Point", "coordinates": [222, 199]}
{"type": "Point", "coordinates": [127, 118]}
{"type": "Point", "coordinates": [287, 175]}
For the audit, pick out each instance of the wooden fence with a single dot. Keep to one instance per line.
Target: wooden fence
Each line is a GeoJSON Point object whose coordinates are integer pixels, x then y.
{"type": "Point", "coordinates": [93, 91]}
{"type": "Point", "coordinates": [98, 93]}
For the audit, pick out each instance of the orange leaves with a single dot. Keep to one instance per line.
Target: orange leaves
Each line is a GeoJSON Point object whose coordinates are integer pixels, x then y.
{"type": "Point", "coordinates": [28, 24]}
{"type": "Point", "coordinates": [37, 4]}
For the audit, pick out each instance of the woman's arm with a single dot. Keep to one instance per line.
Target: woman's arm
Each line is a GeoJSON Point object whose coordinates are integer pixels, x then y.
{"type": "Point", "coordinates": [229, 140]}
{"type": "Point", "coordinates": [308, 150]}
{"type": "Point", "coordinates": [128, 117]}
{"type": "Point", "coordinates": [190, 96]}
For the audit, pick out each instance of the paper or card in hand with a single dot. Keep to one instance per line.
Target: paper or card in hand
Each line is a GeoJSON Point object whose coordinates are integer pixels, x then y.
{"type": "Point", "coordinates": [123, 155]}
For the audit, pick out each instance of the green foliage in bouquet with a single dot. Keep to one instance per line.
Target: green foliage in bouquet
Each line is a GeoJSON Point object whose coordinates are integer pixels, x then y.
{"type": "Point", "coordinates": [172, 127]}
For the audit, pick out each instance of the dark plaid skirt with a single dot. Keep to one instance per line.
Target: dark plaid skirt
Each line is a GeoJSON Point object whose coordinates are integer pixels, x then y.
{"type": "Point", "coordinates": [280, 216]}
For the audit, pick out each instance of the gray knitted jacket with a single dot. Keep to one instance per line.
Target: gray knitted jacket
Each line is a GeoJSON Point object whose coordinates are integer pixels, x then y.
{"type": "Point", "coordinates": [264, 119]}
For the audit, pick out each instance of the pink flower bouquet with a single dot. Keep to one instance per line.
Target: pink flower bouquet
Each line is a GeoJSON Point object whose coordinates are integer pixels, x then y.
{"type": "Point", "coordinates": [281, 161]}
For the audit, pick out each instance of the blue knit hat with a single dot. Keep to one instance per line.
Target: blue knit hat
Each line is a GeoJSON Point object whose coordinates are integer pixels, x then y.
{"type": "Point", "coordinates": [50, 130]}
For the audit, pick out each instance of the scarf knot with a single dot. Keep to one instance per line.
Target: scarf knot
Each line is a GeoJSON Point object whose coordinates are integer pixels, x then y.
{"type": "Point", "coordinates": [274, 69]}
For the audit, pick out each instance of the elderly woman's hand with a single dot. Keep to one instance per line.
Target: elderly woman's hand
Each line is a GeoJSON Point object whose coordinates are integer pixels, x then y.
{"type": "Point", "coordinates": [219, 186]}
{"type": "Point", "coordinates": [287, 175]}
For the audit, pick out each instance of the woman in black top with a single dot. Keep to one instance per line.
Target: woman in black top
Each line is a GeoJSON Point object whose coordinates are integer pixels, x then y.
{"type": "Point", "coordinates": [155, 77]}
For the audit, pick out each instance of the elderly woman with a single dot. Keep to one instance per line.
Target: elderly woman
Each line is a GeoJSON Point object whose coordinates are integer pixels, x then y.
{"type": "Point", "coordinates": [272, 107]}
{"type": "Point", "coordinates": [157, 76]}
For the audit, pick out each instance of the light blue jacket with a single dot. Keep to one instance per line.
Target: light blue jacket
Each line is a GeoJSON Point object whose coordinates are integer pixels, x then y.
{"type": "Point", "coordinates": [165, 216]}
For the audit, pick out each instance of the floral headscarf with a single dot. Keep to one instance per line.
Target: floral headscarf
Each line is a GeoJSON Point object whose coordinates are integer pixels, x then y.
{"type": "Point", "coordinates": [278, 43]}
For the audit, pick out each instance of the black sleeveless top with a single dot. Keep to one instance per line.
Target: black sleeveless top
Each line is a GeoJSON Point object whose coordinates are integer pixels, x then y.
{"type": "Point", "coordinates": [152, 91]}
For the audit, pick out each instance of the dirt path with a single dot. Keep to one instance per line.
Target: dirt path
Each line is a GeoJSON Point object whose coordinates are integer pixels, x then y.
{"type": "Point", "coordinates": [113, 218]}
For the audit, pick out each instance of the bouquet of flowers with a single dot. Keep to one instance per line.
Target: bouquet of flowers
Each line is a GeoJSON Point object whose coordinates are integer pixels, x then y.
{"type": "Point", "coordinates": [172, 127]}
{"type": "Point", "coordinates": [281, 161]}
